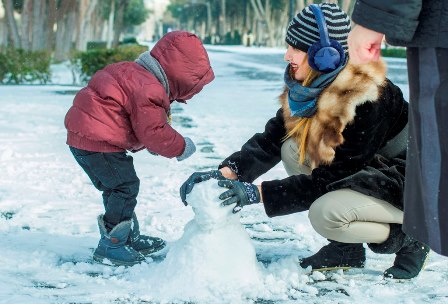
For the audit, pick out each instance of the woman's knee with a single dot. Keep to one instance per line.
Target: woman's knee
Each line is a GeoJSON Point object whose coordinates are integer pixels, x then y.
{"type": "Point", "coordinates": [326, 218]}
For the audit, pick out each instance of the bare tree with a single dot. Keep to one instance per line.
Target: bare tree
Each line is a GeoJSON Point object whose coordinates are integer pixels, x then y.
{"type": "Point", "coordinates": [13, 30]}
{"type": "Point", "coordinates": [85, 31]}
{"type": "Point", "coordinates": [263, 14]}
{"type": "Point", "coordinates": [37, 28]}
{"type": "Point", "coordinates": [347, 6]}
{"type": "Point", "coordinates": [3, 32]}
{"type": "Point", "coordinates": [50, 22]}
{"type": "Point", "coordinates": [222, 18]}
{"type": "Point", "coordinates": [300, 5]}
{"type": "Point", "coordinates": [118, 21]}
{"type": "Point", "coordinates": [66, 20]}
{"type": "Point", "coordinates": [110, 25]}
{"type": "Point", "coordinates": [27, 12]}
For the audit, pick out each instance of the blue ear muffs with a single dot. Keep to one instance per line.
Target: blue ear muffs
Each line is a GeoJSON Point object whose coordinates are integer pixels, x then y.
{"type": "Point", "coordinates": [325, 55]}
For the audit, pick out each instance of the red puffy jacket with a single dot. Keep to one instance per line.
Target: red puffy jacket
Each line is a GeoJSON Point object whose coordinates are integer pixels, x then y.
{"type": "Point", "coordinates": [125, 107]}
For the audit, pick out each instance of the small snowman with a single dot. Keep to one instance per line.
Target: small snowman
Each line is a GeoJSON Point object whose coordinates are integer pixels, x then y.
{"type": "Point", "coordinates": [214, 255]}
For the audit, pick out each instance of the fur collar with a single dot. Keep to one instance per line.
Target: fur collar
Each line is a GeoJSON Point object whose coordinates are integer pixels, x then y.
{"type": "Point", "coordinates": [336, 108]}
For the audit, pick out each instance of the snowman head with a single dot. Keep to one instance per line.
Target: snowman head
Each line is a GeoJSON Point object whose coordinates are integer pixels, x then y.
{"type": "Point", "coordinates": [209, 214]}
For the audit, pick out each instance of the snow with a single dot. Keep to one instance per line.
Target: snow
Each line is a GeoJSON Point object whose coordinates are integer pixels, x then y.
{"type": "Point", "coordinates": [48, 208]}
{"type": "Point", "coordinates": [215, 255]}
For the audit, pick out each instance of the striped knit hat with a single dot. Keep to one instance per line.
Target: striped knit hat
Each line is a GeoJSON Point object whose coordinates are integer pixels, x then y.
{"type": "Point", "coordinates": [303, 30]}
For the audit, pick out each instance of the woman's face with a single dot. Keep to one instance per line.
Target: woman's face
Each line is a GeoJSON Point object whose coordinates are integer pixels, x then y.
{"type": "Point", "coordinates": [298, 65]}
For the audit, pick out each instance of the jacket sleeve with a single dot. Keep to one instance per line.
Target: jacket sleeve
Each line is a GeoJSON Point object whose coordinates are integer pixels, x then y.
{"type": "Point", "coordinates": [363, 139]}
{"type": "Point", "coordinates": [260, 153]}
{"type": "Point", "coordinates": [149, 121]}
{"type": "Point", "coordinates": [397, 19]}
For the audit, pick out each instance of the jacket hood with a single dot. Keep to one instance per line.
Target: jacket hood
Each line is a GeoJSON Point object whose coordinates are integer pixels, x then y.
{"type": "Point", "coordinates": [185, 63]}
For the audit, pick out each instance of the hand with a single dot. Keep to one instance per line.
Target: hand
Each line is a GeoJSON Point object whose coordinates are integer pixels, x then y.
{"type": "Point", "coordinates": [364, 45]}
{"type": "Point", "coordinates": [196, 178]}
{"type": "Point", "coordinates": [189, 150]}
{"type": "Point", "coordinates": [240, 193]}
{"type": "Point", "coordinates": [228, 173]}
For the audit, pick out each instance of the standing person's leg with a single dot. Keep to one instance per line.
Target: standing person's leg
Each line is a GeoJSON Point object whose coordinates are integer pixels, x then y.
{"type": "Point", "coordinates": [352, 217]}
{"type": "Point", "coordinates": [426, 191]}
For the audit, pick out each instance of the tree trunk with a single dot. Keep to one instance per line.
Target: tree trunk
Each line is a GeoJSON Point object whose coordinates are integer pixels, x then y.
{"type": "Point", "coordinates": [269, 22]}
{"type": "Point", "coordinates": [49, 24]}
{"type": "Point", "coordinates": [118, 22]}
{"type": "Point", "coordinates": [300, 5]}
{"type": "Point", "coordinates": [13, 31]}
{"type": "Point", "coordinates": [97, 22]}
{"type": "Point", "coordinates": [263, 14]}
{"type": "Point", "coordinates": [72, 16]}
{"type": "Point", "coordinates": [110, 25]}
{"type": "Point", "coordinates": [347, 6]}
{"type": "Point", "coordinates": [85, 30]}
{"type": "Point", "coordinates": [3, 33]}
{"type": "Point", "coordinates": [222, 19]}
{"type": "Point", "coordinates": [65, 20]}
{"type": "Point", "coordinates": [27, 14]}
{"type": "Point", "coordinates": [38, 38]}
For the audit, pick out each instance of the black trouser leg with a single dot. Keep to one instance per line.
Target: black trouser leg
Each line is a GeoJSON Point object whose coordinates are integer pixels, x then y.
{"type": "Point", "coordinates": [426, 187]}
{"type": "Point", "coordinates": [114, 175]}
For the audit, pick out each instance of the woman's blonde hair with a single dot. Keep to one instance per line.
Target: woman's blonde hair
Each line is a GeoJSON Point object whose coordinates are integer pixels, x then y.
{"type": "Point", "coordinates": [303, 122]}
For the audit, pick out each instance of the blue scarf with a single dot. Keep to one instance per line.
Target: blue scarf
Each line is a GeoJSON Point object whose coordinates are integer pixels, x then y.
{"type": "Point", "coordinates": [303, 100]}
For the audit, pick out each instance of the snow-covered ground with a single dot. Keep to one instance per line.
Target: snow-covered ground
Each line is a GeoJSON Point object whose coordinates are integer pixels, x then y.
{"type": "Point", "coordinates": [48, 207]}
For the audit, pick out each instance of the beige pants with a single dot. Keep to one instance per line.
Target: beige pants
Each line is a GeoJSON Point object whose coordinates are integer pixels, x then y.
{"type": "Point", "coordinates": [345, 215]}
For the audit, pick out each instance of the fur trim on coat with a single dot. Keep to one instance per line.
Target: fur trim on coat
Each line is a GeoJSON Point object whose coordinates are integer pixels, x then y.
{"type": "Point", "coordinates": [336, 108]}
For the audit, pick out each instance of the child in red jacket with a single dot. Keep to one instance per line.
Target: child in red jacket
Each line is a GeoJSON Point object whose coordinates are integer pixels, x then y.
{"type": "Point", "coordinates": [126, 107]}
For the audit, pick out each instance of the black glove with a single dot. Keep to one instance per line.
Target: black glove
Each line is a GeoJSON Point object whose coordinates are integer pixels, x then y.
{"type": "Point", "coordinates": [240, 193]}
{"type": "Point", "coordinates": [196, 178]}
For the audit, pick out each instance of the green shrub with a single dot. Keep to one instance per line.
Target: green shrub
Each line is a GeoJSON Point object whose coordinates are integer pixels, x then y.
{"type": "Point", "coordinates": [18, 66]}
{"type": "Point", "coordinates": [394, 52]}
{"type": "Point", "coordinates": [129, 40]}
{"type": "Point", "coordinates": [92, 45]}
{"type": "Point", "coordinates": [87, 63]}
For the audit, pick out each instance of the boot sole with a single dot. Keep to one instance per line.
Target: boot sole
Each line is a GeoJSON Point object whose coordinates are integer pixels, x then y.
{"type": "Point", "coordinates": [112, 262]}
{"type": "Point", "coordinates": [337, 268]}
{"type": "Point", "coordinates": [160, 250]}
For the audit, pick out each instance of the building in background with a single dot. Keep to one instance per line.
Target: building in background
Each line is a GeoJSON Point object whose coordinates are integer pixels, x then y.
{"type": "Point", "coordinates": [152, 28]}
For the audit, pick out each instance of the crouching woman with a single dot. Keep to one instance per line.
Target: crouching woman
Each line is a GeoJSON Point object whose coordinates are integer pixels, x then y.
{"type": "Point", "coordinates": [341, 135]}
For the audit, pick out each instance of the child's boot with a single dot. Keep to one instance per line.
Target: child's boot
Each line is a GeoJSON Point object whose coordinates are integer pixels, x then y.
{"type": "Point", "coordinates": [112, 245]}
{"type": "Point", "coordinates": [143, 244]}
{"type": "Point", "coordinates": [336, 255]}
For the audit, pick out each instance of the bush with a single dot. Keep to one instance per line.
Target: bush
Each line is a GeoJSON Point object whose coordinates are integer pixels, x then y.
{"type": "Point", "coordinates": [129, 40]}
{"type": "Point", "coordinates": [87, 63]}
{"type": "Point", "coordinates": [394, 52]}
{"type": "Point", "coordinates": [18, 66]}
{"type": "Point", "coordinates": [93, 45]}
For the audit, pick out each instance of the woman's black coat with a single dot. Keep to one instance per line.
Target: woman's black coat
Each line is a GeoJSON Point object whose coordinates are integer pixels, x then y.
{"type": "Point", "coordinates": [357, 164]}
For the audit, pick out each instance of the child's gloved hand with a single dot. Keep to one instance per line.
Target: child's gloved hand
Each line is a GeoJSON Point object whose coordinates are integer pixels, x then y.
{"type": "Point", "coordinates": [240, 193]}
{"type": "Point", "coordinates": [190, 148]}
{"type": "Point", "coordinates": [196, 178]}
